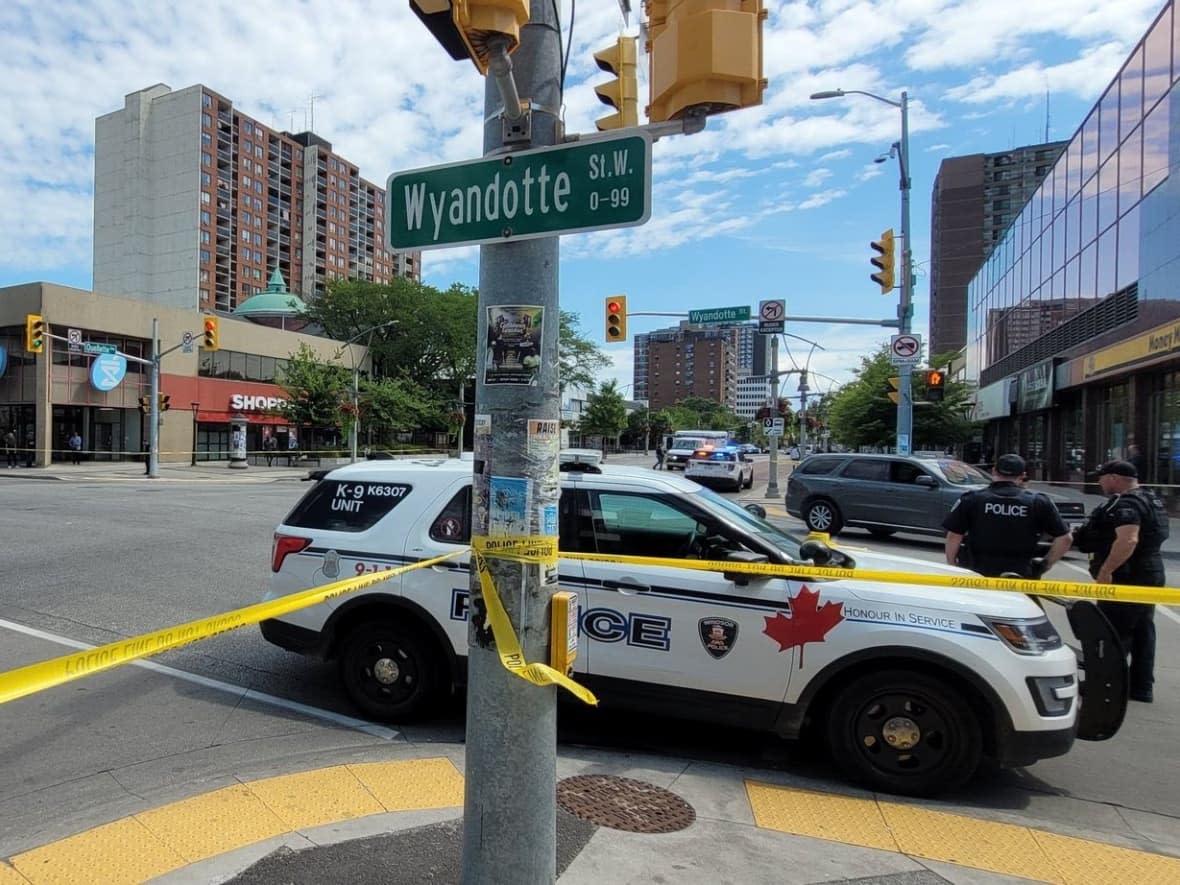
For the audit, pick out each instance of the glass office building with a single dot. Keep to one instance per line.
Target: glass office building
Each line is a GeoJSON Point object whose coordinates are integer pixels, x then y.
{"type": "Point", "coordinates": [1074, 320]}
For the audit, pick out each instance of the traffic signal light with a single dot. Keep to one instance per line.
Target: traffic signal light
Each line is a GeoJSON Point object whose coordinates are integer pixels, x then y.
{"type": "Point", "coordinates": [935, 385]}
{"type": "Point", "coordinates": [616, 318]}
{"type": "Point", "coordinates": [883, 261]}
{"type": "Point", "coordinates": [212, 334]}
{"type": "Point", "coordinates": [894, 389]}
{"type": "Point", "coordinates": [463, 27]}
{"type": "Point", "coordinates": [165, 402]}
{"type": "Point", "coordinates": [34, 333]}
{"type": "Point", "coordinates": [704, 55]}
{"type": "Point", "coordinates": [622, 93]}
{"type": "Point", "coordinates": [145, 404]}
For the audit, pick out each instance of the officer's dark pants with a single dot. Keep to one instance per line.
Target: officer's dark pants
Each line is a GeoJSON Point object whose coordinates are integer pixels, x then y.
{"type": "Point", "coordinates": [1135, 624]}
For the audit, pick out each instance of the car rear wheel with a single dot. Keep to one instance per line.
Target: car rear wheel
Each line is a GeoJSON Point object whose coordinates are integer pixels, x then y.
{"type": "Point", "coordinates": [821, 515]}
{"type": "Point", "coordinates": [903, 732]}
{"type": "Point", "coordinates": [388, 673]}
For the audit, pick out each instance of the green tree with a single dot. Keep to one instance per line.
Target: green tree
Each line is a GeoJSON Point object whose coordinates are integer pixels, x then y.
{"type": "Point", "coordinates": [579, 360]}
{"type": "Point", "coordinates": [315, 390]}
{"type": "Point", "coordinates": [605, 414]}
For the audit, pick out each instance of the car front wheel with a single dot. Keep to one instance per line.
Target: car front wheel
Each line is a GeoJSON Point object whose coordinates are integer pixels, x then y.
{"type": "Point", "coordinates": [386, 672]}
{"type": "Point", "coordinates": [821, 515]}
{"type": "Point", "coordinates": [903, 732]}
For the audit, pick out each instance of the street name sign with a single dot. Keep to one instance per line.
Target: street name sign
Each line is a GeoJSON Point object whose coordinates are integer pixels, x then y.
{"type": "Point", "coordinates": [583, 186]}
{"type": "Point", "coordinates": [93, 347]}
{"type": "Point", "coordinates": [905, 349]}
{"type": "Point", "coordinates": [719, 315]}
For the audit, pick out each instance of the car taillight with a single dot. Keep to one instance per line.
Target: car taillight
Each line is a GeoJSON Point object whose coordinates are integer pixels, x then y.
{"type": "Point", "coordinates": [285, 545]}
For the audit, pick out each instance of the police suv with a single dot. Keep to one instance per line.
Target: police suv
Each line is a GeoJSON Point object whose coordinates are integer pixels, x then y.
{"type": "Point", "coordinates": [909, 686]}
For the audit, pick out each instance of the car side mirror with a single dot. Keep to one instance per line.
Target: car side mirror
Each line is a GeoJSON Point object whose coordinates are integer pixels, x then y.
{"type": "Point", "coordinates": [926, 480]}
{"type": "Point", "coordinates": [821, 554]}
{"type": "Point", "coordinates": [757, 509]}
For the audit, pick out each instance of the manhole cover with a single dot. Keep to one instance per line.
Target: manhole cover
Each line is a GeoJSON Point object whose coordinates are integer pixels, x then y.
{"type": "Point", "coordinates": [624, 804]}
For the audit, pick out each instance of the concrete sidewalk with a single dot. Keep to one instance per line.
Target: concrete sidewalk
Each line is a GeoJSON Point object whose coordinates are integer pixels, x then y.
{"type": "Point", "coordinates": [92, 471]}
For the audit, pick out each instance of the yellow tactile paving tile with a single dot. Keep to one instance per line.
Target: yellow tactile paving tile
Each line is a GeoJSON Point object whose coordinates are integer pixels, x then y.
{"type": "Point", "coordinates": [1007, 849]}
{"type": "Point", "coordinates": [152, 843]}
{"type": "Point", "coordinates": [201, 827]}
{"type": "Point", "coordinates": [412, 785]}
{"type": "Point", "coordinates": [125, 851]}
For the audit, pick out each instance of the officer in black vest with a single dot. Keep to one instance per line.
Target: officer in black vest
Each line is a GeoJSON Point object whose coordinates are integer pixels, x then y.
{"type": "Point", "coordinates": [1003, 525]}
{"type": "Point", "coordinates": [1123, 537]}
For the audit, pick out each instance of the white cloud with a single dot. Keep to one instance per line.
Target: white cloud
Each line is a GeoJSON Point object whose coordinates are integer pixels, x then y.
{"type": "Point", "coordinates": [816, 177]}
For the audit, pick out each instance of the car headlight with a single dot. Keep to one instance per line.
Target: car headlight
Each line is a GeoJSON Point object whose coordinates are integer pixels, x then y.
{"type": "Point", "coordinates": [1026, 636]}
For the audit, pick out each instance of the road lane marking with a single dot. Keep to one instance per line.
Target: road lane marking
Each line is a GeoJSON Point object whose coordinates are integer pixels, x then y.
{"type": "Point", "coordinates": [1006, 849]}
{"type": "Point", "coordinates": [250, 694]}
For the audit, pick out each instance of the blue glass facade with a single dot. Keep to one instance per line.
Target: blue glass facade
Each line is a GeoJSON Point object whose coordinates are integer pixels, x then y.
{"type": "Point", "coordinates": [1084, 288]}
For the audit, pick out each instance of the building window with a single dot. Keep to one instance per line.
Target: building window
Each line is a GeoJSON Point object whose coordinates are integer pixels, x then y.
{"type": "Point", "coordinates": [206, 100]}
{"type": "Point", "coordinates": [204, 256]}
{"type": "Point", "coordinates": [206, 179]}
{"type": "Point", "coordinates": [206, 120]}
{"type": "Point", "coordinates": [205, 218]}
{"type": "Point", "coordinates": [248, 127]}
{"type": "Point", "coordinates": [205, 198]}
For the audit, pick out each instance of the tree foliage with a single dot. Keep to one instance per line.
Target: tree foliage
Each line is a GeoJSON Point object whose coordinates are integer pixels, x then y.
{"type": "Point", "coordinates": [580, 360]}
{"type": "Point", "coordinates": [861, 413]}
{"type": "Point", "coordinates": [315, 391]}
{"type": "Point", "coordinates": [698, 413]}
{"type": "Point", "coordinates": [605, 414]}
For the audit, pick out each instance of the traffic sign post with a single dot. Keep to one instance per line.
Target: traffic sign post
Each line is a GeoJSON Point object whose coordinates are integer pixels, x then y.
{"type": "Point", "coordinates": [774, 426]}
{"type": "Point", "coordinates": [74, 337]}
{"type": "Point", "coordinates": [738, 314]}
{"type": "Point", "coordinates": [563, 189]}
{"type": "Point", "coordinates": [905, 349]}
{"type": "Point", "coordinates": [772, 317]}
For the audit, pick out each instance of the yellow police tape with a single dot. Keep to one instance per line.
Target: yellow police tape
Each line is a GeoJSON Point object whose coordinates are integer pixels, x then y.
{"type": "Point", "coordinates": [970, 581]}
{"type": "Point", "coordinates": [58, 671]}
{"type": "Point", "coordinates": [541, 550]}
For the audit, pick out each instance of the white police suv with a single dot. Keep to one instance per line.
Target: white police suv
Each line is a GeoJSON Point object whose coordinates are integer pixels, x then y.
{"type": "Point", "coordinates": [909, 686]}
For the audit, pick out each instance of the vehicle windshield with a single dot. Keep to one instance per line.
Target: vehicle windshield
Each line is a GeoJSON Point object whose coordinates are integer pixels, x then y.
{"type": "Point", "coordinates": [958, 473]}
{"type": "Point", "coordinates": [755, 525]}
{"type": "Point", "coordinates": [688, 442]}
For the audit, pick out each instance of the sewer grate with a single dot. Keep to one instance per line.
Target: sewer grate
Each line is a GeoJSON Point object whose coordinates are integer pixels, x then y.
{"type": "Point", "coordinates": [624, 804]}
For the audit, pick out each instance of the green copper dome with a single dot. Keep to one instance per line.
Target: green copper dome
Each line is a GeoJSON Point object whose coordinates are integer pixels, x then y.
{"type": "Point", "coordinates": [276, 301]}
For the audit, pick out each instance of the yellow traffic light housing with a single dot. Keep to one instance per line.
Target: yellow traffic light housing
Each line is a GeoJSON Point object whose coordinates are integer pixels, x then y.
{"type": "Point", "coordinates": [34, 333]}
{"type": "Point", "coordinates": [616, 318]}
{"type": "Point", "coordinates": [935, 385]}
{"type": "Point", "coordinates": [894, 390]}
{"type": "Point", "coordinates": [623, 92]}
{"type": "Point", "coordinates": [165, 402]}
{"type": "Point", "coordinates": [704, 54]}
{"type": "Point", "coordinates": [145, 404]}
{"type": "Point", "coordinates": [884, 261]}
{"type": "Point", "coordinates": [464, 27]}
{"type": "Point", "coordinates": [211, 339]}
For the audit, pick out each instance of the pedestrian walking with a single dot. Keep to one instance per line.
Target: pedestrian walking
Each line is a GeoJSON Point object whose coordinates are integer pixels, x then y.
{"type": "Point", "coordinates": [269, 445]}
{"type": "Point", "coordinates": [10, 448]}
{"type": "Point", "coordinates": [998, 529]}
{"type": "Point", "coordinates": [75, 444]}
{"type": "Point", "coordinates": [659, 465]}
{"type": "Point", "coordinates": [1123, 537]}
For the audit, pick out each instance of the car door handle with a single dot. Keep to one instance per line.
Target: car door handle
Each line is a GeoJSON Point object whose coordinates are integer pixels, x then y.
{"type": "Point", "coordinates": [626, 586]}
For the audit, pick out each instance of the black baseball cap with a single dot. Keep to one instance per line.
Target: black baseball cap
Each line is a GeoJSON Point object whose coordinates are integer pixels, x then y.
{"type": "Point", "coordinates": [1118, 468]}
{"type": "Point", "coordinates": [1009, 465]}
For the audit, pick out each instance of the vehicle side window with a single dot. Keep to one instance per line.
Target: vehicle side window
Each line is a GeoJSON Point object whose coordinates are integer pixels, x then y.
{"type": "Point", "coordinates": [633, 525]}
{"type": "Point", "coordinates": [904, 472]}
{"type": "Point", "coordinates": [818, 466]}
{"type": "Point", "coordinates": [342, 506]}
{"type": "Point", "coordinates": [453, 524]}
{"type": "Point", "coordinates": [865, 469]}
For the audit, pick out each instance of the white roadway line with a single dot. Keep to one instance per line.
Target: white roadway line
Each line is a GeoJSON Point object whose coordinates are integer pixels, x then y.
{"type": "Point", "coordinates": [1165, 610]}
{"type": "Point", "coordinates": [217, 685]}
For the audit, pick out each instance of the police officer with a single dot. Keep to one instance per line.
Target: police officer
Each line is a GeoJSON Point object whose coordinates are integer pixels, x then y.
{"type": "Point", "coordinates": [1003, 525]}
{"type": "Point", "coordinates": [1123, 537]}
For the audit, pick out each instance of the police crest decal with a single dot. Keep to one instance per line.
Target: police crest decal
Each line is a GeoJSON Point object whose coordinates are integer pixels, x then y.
{"type": "Point", "coordinates": [718, 635]}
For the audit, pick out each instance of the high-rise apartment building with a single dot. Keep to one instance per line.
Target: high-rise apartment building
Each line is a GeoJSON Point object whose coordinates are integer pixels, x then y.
{"type": "Point", "coordinates": [196, 204]}
{"type": "Point", "coordinates": [750, 348]}
{"type": "Point", "coordinates": [974, 200]}
{"type": "Point", "coordinates": [690, 361]}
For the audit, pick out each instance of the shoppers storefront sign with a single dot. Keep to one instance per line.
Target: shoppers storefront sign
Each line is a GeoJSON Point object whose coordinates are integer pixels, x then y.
{"type": "Point", "coordinates": [245, 402]}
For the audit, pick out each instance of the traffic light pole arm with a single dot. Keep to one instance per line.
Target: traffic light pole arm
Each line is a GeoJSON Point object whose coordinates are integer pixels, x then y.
{"type": "Point", "coordinates": [848, 321]}
{"type": "Point", "coordinates": [690, 124]}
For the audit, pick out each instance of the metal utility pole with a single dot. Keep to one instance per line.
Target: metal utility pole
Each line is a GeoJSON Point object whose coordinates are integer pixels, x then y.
{"type": "Point", "coordinates": [153, 467]}
{"type": "Point", "coordinates": [803, 388]}
{"type": "Point", "coordinates": [510, 805]}
{"type": "Point", "coordinates": [905, 404]}
{"type": "Point", "coordinates": [772, 483]}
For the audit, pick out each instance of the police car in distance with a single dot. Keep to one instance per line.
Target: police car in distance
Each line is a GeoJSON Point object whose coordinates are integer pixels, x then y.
{"type": "Point", "coordinates": [908, 686]}
{"type": "Point", "coordinates": [723, 467]}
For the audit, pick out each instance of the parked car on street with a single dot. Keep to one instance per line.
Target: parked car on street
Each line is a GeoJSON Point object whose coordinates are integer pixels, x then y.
{"type": "Point", "coordinates": [726, 468]}
{"type": "Point", "coordinates": [889, 493]}
{"type": "Point", "coordinates": [910, 686]}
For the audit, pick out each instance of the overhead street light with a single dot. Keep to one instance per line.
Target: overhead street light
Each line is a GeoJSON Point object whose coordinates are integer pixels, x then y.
{"type": "Point", "coordinates": [900, 149]}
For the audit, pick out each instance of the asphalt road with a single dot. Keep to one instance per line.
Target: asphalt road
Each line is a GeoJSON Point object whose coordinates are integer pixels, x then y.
{"type": "Point", "coordinates": [95, 562]}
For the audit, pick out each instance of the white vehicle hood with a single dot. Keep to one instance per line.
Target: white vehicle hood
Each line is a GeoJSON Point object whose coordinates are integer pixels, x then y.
{"type": "Point", "coordinates": [987, 602]}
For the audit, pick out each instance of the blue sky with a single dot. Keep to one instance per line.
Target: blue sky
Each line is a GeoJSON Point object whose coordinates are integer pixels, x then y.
{"type": "Point", "coordinates": [778, 201]}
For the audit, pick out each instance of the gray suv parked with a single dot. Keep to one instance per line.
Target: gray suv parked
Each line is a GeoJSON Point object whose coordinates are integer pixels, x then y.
{"type": "Point", "coordinates": [888, 493]}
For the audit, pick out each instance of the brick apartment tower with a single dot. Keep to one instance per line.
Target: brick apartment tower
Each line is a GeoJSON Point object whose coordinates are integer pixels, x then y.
{"type": "Point", "coordinates": [196, 204]}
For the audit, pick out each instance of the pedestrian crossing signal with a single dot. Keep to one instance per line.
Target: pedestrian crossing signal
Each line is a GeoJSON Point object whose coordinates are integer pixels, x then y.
{"type": "Point", "coordinates": [935, 385]}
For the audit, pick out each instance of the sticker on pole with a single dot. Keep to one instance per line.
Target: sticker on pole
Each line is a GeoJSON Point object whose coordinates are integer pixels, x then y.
{"type": "Point", "coordinates": [905, 349]}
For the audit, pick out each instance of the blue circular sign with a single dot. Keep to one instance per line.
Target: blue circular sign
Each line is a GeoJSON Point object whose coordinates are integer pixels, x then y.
{"type": "Point", "coordinates": [107, 371]}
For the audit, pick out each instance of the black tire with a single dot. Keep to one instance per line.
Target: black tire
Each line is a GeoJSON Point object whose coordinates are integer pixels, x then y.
{"type": "Point", "coordinates": [388, 673]}
{"type": "Point", "coordinates": [750, 481]}
{"type": "Point", "coordinates": [821, 515]}
{"type": "Point", "coordinates": [882, 533]}
{"type": "Point", "coordinates": [899, 731]}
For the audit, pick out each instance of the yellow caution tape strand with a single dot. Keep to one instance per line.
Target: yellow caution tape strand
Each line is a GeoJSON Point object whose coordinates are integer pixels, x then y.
{"type": "Point", "coordinates": [46, 674]}
{"type": "Point", "coordinates": [541, 549]}
{"type": "Point", "coordinates": [1103, 592]}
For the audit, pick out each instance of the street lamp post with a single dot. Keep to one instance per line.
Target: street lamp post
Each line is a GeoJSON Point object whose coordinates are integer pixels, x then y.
{"type": "Point", "coordinates": [196, 407]}
{"type": "Point", "coordinates": [905, 401]}
{"type": "Point", "coordinates": [356, 393]}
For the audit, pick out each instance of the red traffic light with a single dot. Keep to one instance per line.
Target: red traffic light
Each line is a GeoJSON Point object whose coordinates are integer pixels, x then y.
{"type": "Point", "coordinates": [614, 307]}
